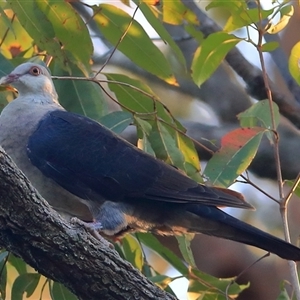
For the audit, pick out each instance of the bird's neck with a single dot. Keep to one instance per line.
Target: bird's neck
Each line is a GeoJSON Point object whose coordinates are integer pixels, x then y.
{"type": "Point", "coordinates": [40, 93]}
{"type": "Point", "coordinates": [38, 98]}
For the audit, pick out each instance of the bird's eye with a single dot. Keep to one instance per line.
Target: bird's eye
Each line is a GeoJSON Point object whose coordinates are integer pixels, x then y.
{"type": "Point", "coordinates": [35, 71]}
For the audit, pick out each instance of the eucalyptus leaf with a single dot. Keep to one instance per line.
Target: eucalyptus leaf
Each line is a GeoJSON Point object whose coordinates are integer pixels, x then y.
{"type": "Point", "coordinates": [153, 17]}
{"type": "Point", "coordinates": [70, 30]}
{"type": "Point", "coordinates": [210, 55]}
{"type": "Point", "coordinates": [238, 149]}
{"type": "Point", "coordinates": [117, 121]}
{"type": "Point", "coordinates": [294, 62]}
{"type": "Point", "coordinates": [133, 251]}
{"type": "Point", "coordinates": [135, 44]}
{"type": "Point", "coordinates": [184, 242]}
{"type": "Point", "coordinates": [24, 284]}
{"type": "Point", "coordinates": [176, 13]}
{"type": "Point", "coordinates": [79, 96]}
{"type": "Point", "coordinates": [152, 242]}
{"type": "Point", "coordinates": [259, 115]}
{"type": "Point", "coordinates": [59, 292]}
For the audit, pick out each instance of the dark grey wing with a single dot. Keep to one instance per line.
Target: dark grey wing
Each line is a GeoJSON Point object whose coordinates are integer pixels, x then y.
{"type": "Point", "coordinates": [91, 162]}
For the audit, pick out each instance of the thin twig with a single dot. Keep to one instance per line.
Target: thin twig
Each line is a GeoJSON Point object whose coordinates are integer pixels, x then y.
{"type": "Point", "coordinates": [244, 271]}
{"type": "Point", "coordinates": [118, 43]}
{"type": "Point", "coordinates": [283, 210]}
{"type": "Point", "coordinates": [7, 31]}
{"type": "Point", "coordinates": [248, 181]}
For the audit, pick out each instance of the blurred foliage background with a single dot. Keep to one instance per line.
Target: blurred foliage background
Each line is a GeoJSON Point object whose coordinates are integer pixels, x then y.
{"type": "Point", "coordinates": [169, 76]}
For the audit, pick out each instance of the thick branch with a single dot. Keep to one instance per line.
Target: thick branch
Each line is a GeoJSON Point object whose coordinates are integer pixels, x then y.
{"type": "Point", "coordinates": [66, 253]}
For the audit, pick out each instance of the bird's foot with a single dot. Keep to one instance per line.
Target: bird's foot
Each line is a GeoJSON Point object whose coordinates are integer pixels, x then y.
{"type": "Point", "coordinates": [92, 228]}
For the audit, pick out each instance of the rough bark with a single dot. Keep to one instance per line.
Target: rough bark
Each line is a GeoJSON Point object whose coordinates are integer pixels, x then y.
{"type": "Point", "coordinates": [64, 252]}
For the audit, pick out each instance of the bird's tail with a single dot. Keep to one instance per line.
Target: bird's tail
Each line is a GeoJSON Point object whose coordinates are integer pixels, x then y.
{"type": "Point", "coordinates": [212, 221]}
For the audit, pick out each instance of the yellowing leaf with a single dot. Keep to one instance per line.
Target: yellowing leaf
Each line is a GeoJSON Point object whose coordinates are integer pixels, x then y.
{"type": "Point", "coordinates": [294, 62]}
{"type": "Point", "coordinates": [286, 13]}
{"type": "Point", "coordinates": [175, 12]}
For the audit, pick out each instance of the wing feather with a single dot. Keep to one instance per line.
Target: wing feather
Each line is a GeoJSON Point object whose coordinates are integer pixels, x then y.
{"type": "Point", "coordinates": [91, 162]}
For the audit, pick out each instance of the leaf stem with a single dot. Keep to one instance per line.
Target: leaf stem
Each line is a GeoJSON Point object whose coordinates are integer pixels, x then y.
{"type": "Point", "coordinates": [283, 201]}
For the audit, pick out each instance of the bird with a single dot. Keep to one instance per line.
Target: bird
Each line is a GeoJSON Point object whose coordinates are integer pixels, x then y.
{"type": "Point", "coordinates": [84, 170]}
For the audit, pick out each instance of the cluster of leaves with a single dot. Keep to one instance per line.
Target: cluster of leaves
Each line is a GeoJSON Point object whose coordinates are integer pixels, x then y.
{"type": "Point", "coordinates": [56, 32]}
{"type": "Point", "coordinates": [19, 279]}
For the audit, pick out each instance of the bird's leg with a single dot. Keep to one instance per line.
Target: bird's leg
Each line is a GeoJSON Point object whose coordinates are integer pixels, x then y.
{"type": "Point", "coordinates": [109, 219]}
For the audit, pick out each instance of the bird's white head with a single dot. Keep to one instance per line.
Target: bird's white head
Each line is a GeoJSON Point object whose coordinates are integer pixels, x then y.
{"type": "Point", "coordinates": [32, 79]}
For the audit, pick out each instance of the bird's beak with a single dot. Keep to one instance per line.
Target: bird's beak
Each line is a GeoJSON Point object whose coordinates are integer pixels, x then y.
{"type": "Point", "coordinates": [7, 80]}
{"type": "Point", "coordinates": [10, 78]}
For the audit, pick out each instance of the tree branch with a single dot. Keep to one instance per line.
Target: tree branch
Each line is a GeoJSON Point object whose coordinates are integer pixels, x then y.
{"type": "Point", "coordinates": [36, 233]}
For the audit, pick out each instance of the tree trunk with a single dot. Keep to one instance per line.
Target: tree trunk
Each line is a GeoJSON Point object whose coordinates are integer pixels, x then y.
{"type": "Point", "coordinates": [64, 252]}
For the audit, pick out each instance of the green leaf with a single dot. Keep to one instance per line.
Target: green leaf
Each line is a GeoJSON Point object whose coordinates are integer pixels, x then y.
{"type": "Point", "coordinates": [238, 149]}
{"type": "Point", "coordinates": [3, 256]}
{"type": "Point", "coordinates": [6, 21]}
{"type": "Point", "coordinates": [184, 242]}
{"type": "Point", "coordinates": [18, 264]}
{"type": "Point", "coordinates": [3, 275]}
{"type": "Point", "coordinates": [210, 287]}
{"type": "Point", "coordinates": [70, 30]}
{"type": "Point", "coordinates": [283, 292]}
{"type": "Point", "coordinates": [132, 251]}
{"type": "Point", "coordinates": [136, 44]}
{"type": "Point", "coordinates": [145, 126]}
{"type": "Point", "coordinates": [136, 96]}
{"type": "Point", "coordinates": [56, 27]}
{"type": "Point", "coordinates": [284, 295]}
{"type": "Point", "coordinates": [38, 27]}
{"type": "Point", "coordinates": [244, 18]}
{"type": "Point", "coordinates": [59, 292]}
{"type": "Point", "coordinates": [270, 46]}
{"type": "Point", "coordinates": [80, 96]}
{"type": "Point", "coordinates": [162, 280]}
{"type": "Point", "coordinates": [240, 14]}
{"type": "Point", "coordinates": [117, 121]}
{"type": "Point", "coordinates": [154, 135]}
{"type": "Point", "coordinates": [164, 146]}
{"type": "Point", "coordinates": [25, 283]}
{"type": "Point", "coordinates": [259, 115]}
{"type": "Point", "coordinates": [210, 55]}
{"type": "Point", "coordinates": [152, 242]}
{"type": "Point", "coordinates": [3, 283]}
{"type": "Point", "coordinates": [6, 66]}
{"type": "Point", "coordinates": [144, 129]}
{"type": "Point", "coordinates": [188, 150]}
{"type": "Point", "coordinates": [294, 62]}
{"type": "Point", "coordinates": [129, 94]}
{"type": "Point", "coordinates": [194, 32]}
{"type": "Point", "coordinates": [16, 41]}
{"type": "Point", "coordinates": [231, 6]}
{"type": "Point", "coordinates": [152, 16]}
